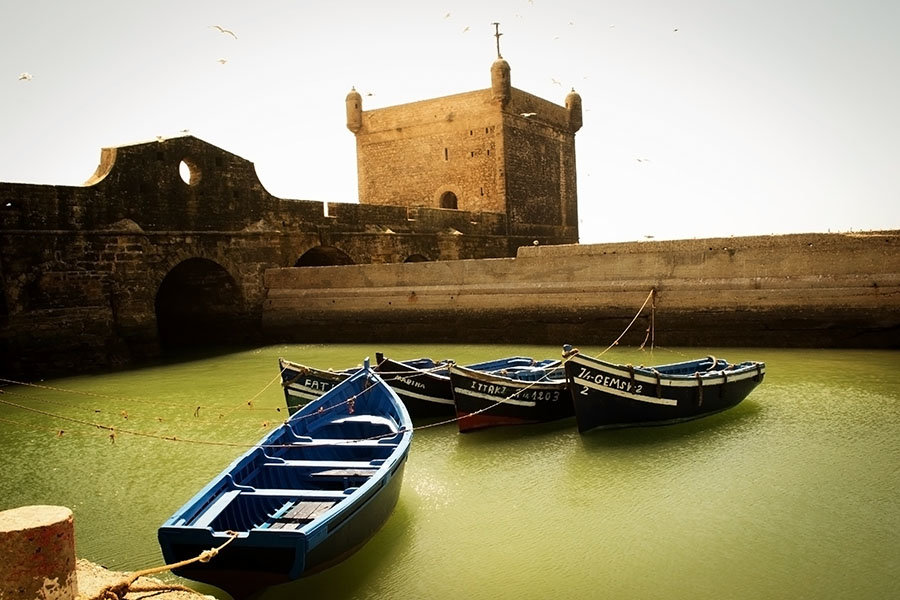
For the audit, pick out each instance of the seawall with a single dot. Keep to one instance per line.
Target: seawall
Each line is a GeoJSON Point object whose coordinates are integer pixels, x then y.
{"type": "Point", "coordinates": [802, 290]}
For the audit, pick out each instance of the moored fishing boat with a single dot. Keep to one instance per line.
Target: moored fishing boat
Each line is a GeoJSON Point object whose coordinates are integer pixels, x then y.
{"type": "Point", "coordinates": [423, 384]}
{"type": "Point", "coordinates": [620, 395]}
{"type": "Point", "coordinates": [302, 383]}
{"type": "Point", "coordinates": [522, 391]}
{"type": "Point", "coordinates": [305, 497]}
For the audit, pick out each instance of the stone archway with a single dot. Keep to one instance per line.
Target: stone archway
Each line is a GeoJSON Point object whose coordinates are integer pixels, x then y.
{"type": "Point", "coordinates": [199, 303]}
{"type": "Point", "coordinates": [449, 200]}
{"type": "Point", "coordinates": [324, 256]}
{"type": "Point", "coordinates": [416, 258]}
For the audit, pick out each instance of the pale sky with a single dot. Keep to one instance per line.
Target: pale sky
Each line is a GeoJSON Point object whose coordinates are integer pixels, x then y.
{"type": "Point", "coordinates": [749, 117]}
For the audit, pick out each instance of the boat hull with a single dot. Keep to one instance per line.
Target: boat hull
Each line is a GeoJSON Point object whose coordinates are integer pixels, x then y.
{"type": "Point", "coordinates": [607, 395]}
{"type": "Point", "coordinates": [247, 566]}
{"type": "Point", "coordinates": [304, 384]}
{"type": "Point", "coordinates": [485, 400]}
{"type": "Point", "coordinates": [423, 386]}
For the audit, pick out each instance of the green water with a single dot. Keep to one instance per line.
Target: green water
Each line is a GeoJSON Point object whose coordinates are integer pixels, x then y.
{"type": "Point", "coordinates": [792, 494]}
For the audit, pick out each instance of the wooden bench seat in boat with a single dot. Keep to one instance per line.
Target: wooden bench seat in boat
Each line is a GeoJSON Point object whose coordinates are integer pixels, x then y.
{"type": "Point", "coordinates": [327, 464]}
{"type": "Point", "coordinates": [325, 442]}
{"type": "Point", "coordinates": [298, 515]}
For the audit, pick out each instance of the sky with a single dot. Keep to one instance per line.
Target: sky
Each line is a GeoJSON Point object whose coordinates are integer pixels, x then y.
{"type": "Point", "coordinates": [702, 118]}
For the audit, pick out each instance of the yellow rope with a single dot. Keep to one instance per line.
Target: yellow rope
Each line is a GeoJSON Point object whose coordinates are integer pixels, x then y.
{"type": "Point", "coordinates": [114, 431]}
{"type": "Point", "coordinates": [615, 343]}
{"type": "Point", "coordinates": [118, 590]}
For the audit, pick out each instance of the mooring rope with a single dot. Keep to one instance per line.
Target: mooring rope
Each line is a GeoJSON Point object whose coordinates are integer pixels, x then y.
{"type": "Point", "coordinates": [129, 399]}
{"type": "Point", "coordinates": [114, 431]}
{"type": "Point", "coordinates": [652, 294]}
{"type": "Point", "coordinates": [249, 403]}
{"type": "Point", "coordinates": [118, 590]}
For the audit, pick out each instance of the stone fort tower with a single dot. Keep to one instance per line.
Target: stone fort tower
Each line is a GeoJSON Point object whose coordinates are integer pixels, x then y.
{"type": "Point", "coordinates": [497, 150]}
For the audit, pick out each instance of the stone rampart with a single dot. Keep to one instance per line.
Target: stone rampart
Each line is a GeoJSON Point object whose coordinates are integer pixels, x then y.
{"type": "Point", "coordinates": [806, 290]}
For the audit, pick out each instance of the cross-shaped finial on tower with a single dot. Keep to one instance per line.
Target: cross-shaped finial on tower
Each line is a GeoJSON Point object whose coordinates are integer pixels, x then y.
{"type": "Point", "coordinates": [497, 35]}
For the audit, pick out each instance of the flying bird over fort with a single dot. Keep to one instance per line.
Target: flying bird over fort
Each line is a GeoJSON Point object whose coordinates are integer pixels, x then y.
{"type": "Point", "coordinates": [223, 30]}
{"type": "Point", "coordinates": [25, 77]}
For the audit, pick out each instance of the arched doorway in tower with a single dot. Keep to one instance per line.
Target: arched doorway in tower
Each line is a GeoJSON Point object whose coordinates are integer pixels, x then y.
{"type": "Point", "coordinates": [448, 200]}
{"type": "Point", "coordinates": [324, 256]}
{"type": "Point", "coordinates": [199, 304]}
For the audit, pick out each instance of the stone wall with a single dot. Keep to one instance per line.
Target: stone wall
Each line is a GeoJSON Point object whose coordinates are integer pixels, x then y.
{"type": "Point", "coordinates": [85, 270]}
{"type": "Point", "coordinates": [410, 154]}
{"type": "Point", "coordinates": [815, 290]}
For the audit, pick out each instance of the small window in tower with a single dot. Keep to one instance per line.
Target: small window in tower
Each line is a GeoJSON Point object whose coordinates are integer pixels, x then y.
{"type": "Point", "coordinates": [482, 191]}
{"type": "Point", "coordinates": [471, 132]}
{"type": "Point", "coordinates": [448, 200]}
{"type": "Point", "coordinates": [485, 129]}
{"type": "Point", "coordinates": [489, 152]}
{"type": "Point", "coordinates": [472, 154]}
{"type": "Point", "coordinates": [446, 154]}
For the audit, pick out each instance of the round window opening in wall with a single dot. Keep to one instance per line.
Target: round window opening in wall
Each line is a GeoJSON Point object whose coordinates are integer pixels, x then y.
{"type": "Point", "coordinates": [189, 172]}
{"type": "Point", "coordinates": [448, 200]}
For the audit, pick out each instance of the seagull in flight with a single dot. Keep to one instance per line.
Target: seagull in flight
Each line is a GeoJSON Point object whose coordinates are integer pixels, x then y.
{"type": "Point", "coordinates": [223, 30]}
{"type": "Point", "coordinates": [25, 77]}
{"type": "Point", "coordinates": [527, 114]}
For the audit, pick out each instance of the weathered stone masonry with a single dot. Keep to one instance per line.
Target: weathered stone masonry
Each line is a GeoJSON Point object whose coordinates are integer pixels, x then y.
{"type": "Point", "coordinates": [167, 243]}
{"type": "Point", "coordinates": [86, 271]}
{"type": "Point", "coordinates": [802, 290]}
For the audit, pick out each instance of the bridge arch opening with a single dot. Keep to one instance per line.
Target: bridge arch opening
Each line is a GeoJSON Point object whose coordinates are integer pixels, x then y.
{"type": "Point", "coordinates": [416, 258]}
{"type": "Point", "coordinates": [324, 256]}
{"type": "Point", "coordinates": [199, 304]}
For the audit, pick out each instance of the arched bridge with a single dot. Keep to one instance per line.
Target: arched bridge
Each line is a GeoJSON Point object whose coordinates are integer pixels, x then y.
{"type": "Point", "coordinates": [167, 244]}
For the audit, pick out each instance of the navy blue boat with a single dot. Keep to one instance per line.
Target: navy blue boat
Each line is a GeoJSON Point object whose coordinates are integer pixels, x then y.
{"type": "Point", "coordinates": [303, 384]}
{"type": "Point", "coordinates": [611, 395]}
{"type": "Point", "coordinates": [423, 384]}
{"type": "Point", "coordinates": [518, 391]}
{"type": "Point", "coordinates": [305, 497]}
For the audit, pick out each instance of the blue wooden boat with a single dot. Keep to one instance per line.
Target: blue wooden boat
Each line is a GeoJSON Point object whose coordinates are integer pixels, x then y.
{"type": "Point", "coordinates": [305, 497]}
{"type": "Point", "coordinates": [611, 395]}
{"type": "Point", "coordinates": [518, 391]}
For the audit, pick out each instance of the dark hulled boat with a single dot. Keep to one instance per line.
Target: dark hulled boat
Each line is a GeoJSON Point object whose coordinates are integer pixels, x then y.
{"type": "Point", "coordinates": [618, 395]}
{"type": "Point", "coordinates": [423, 384]}
{"type": "Point", "coordinates": [303, 384]}
{"type": "Point", "coordinates": [519, 392]}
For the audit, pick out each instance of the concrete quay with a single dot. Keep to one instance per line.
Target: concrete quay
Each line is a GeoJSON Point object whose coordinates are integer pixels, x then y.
{"type": "Point", "coordinates": [799, 290]}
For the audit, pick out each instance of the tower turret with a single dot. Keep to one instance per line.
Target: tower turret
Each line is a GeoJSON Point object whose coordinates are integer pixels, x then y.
{"type": "Point", "coordinates": [501, 83]}
{"type": "Point", "coordinates": [354, 110]}
{"type": "Point", "coordinates": [573, 105]}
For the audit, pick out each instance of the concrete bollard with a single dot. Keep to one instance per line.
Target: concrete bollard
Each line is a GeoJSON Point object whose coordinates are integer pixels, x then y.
{"type": "Point", "coordinates": [37, 554]}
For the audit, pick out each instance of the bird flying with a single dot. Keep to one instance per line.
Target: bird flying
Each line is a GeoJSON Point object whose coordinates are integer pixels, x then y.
{"type": "Point", "coordinates": [223, 30]}
{"type": "Point", "coordinates": [25, 77]}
